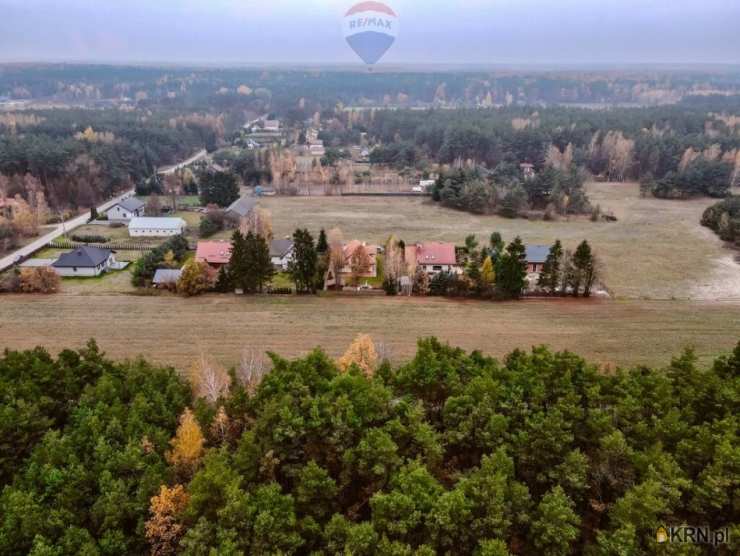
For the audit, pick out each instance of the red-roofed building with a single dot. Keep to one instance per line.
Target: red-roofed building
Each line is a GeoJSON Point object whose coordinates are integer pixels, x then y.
{"type": "Point", "coordinates": [433, 257]}
{"type": "Point", "coordinates": [214, 253]}
{"type": "Point", "coordinates": [345, 274]}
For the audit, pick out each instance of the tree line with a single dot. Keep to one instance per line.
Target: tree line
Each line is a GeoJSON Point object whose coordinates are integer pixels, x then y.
{"type": "Point", "coordinates": [449, 452]}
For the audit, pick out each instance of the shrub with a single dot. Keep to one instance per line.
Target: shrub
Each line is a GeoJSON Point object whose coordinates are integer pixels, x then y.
{"type": "Point", "coordinates": [89, 238]}
{"type": "Point", "coordinates": [10, 282]}
{"type": "Point", "coordinates": [390, 286]}
{"type": "Point", "coordinates": [194, 280]}
{"type": "Point", "coordinates": [39, 280]}
{"type": "Point", "coordinates": [724, 219]}
{"type": "Point", "coordinates": [213, 222]}
{"type": "Point", "coordinates": [280, 291]}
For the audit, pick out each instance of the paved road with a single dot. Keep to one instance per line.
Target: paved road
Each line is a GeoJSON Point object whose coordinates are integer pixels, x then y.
{"type": "Point", "coordinates": [81, 220]}
{"type": "Point", "coordinates": [172, 169]}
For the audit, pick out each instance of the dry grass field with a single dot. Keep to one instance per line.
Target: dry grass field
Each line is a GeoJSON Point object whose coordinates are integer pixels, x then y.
{"type": "Point", "coordinates": [656, 250]}
{"type": "Point", "coordinates": [655, 259]}
{"type": "Point", "coordinates": [173, 330]}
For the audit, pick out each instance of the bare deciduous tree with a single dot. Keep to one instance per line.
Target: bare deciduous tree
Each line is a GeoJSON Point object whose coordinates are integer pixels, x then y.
{"type": "Point", "coordinates": [252, 369]}
{"type": "Point", "coordinates": [209, 379]}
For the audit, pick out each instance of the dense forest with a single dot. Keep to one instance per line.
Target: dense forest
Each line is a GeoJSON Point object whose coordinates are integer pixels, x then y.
{"type": "Point", "coordinates": [677, 151]}
{"type": "Point", "coordinates": [199, 87]}
{"type": "Point", "coordinates": [88, 131]}
{"type": "Point", "coordinates": [449, 453]}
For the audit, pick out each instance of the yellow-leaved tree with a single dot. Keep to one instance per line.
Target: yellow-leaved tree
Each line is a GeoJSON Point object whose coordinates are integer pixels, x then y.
{"type": "Point", "coordinates": [487, 272]}
{"type": "Point", "coordinates": [164, 528]}
{"type": "Point", "coordinates": [187, 445]}
{"type": "Point", "coordinates": [362, 353]}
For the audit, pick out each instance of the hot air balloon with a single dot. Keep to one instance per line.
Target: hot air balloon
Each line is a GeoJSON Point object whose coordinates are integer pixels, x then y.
{"type": "Point", "coordinates": [370, 28]}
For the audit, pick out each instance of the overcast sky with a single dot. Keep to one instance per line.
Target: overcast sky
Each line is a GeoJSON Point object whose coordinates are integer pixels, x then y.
{"type": "Point", "coordinates": [431, 31]}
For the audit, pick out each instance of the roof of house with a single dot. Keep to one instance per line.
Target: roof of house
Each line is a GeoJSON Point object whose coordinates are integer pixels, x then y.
{"type": "Point", "coordinates": [242, 206]}
{"type": "Point", "coordinates": [166, 276]}
{"type": "Point", "coordinates": [537, 253]}
{"type": "Point", "coordinates": [280, 247]}
{"type": "Point", "coordinates": [83, 257]}
{"type": "Point", "coordinates": [131, 204]}
{"type": "Point", "coordinates": [213, 252]}
{"type": "Point", "coordinates": [434, 253]}
{"type": "Point", "coordinates": [351, 246]}
{"type": "Point", "coordinates": [157, 223]}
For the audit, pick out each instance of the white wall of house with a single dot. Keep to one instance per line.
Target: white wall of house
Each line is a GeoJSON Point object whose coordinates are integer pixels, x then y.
{"type": "Point", "coordinates": [86, 272]}
{"type": "Point", "coordinates": [432, 269]}
{"type": "Point", "coordinates": [282, 262]}
{"type": "Point", "coordinates": [154, 232]}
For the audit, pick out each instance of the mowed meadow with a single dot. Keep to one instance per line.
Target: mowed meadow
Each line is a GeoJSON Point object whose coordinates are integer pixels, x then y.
{"type": "Point", "coordinates": [656, 250]}
{"type": "Point", "coordinates": [673, 285]}
{"type": "Point", "coordinates": [175, 330]}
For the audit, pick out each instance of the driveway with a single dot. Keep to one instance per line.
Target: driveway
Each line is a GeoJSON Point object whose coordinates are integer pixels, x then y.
{"type": "Point", "coordinates": [39, 243]}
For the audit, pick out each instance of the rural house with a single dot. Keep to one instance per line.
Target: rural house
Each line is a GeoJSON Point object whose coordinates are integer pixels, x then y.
{"type": "Point", "coordinates": [433, 257]}
{"type": "Point", "coordinates": [241, 208]}
{"type": "Point", "coordinates": [536, 256]}
{"type": "Point", "coordinates": [345, 274]}
{"type": "Point", "coordinates": [281, 253]}
{"type": "Point", "coordinates": [214, 253]}
{"type": "Point", "coordinates": [156, 227]}
{"type": "Point", "coordinates": [125, 210]}
{"type": "Point", "coordinates": [85, 261]}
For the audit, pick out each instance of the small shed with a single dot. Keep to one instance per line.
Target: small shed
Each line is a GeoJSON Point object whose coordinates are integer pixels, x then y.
{"type": "Point", "coordinates": [536, 257]}
{"type": "Point", "coordinates": [166, 278]}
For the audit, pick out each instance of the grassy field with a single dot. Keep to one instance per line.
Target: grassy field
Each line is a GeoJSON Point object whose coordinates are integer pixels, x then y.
{"type": "Point", "coordinates": [656, 250]}
{"type": "Point", "coordinates": [174, 330]}
{"type": "Point", "coordinates": [112, 233]}
{"type": "Point", "coordinates": [655, 257]}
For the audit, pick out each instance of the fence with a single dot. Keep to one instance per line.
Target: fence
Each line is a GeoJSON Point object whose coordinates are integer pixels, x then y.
{"type": "Point", "coordinates": [115, 245]}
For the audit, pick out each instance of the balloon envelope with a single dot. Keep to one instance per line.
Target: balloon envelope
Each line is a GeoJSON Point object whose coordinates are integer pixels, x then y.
{"type": "Point", "coordinates": [370, 29]}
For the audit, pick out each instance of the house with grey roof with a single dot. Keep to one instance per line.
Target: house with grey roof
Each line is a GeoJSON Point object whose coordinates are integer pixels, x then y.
{"type": "Point", "coordinates": [536, 256]}
{"type": "Point", "coordinates": [281, 253]}
{"type": "Point", "coordinates": [166, 278]}
{"type": "Point", "coordinates": [85, 262]}
{"type": "Point", "coordinates": [125, 210]}
{"type": "Point", "coordinates": [156, 227]}
{"type": "Point", "coordinates": [241, 208]}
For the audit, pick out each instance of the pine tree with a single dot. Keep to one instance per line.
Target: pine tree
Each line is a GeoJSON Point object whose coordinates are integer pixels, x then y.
{"type": "Point", "coordinates": [262, 270]}
{"type": "Point", "coordinates": [238, 275]}
{"type": "Point", "coordinates": [584, 264]}
{"type": "Point", "coordinates": [223, 281]}
{"type": "Point", "coordinates": [550, 277]}
{"type": "Point", "coordinates": [511, 270]}
{"type": "Point", "coordinates": [473, 272]}
{"type": "Point", "coordinates": [322, 245]}
{"type": "Point", "coordinates": [303, 267]}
